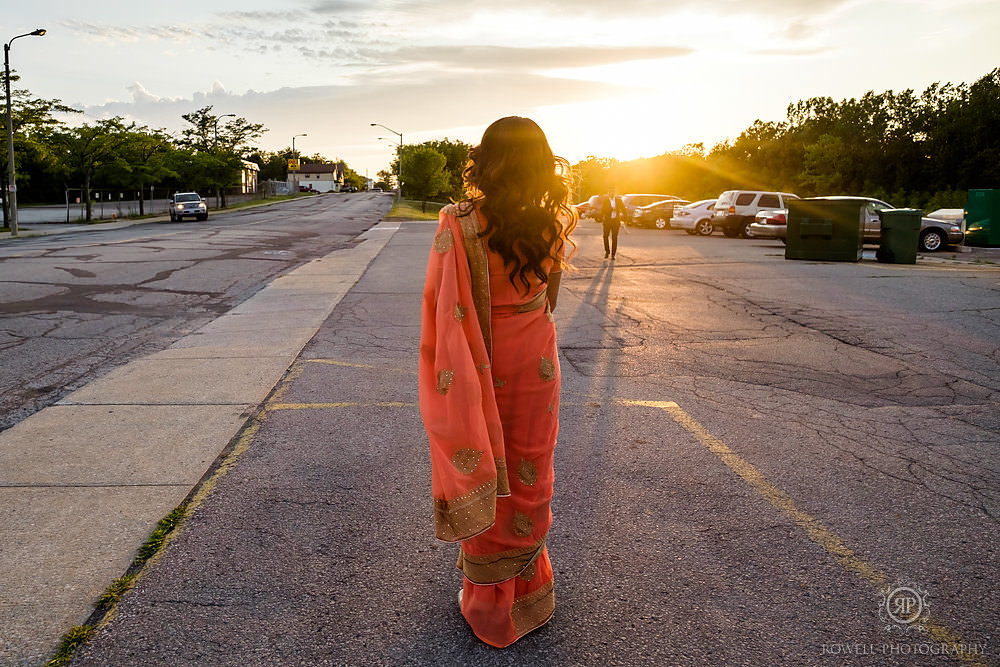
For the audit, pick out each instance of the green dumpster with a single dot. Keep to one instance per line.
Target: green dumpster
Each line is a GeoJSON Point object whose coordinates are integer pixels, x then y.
{"type": "Point", "coordinates": [825, 230]}
{"type": "Point", "coordinates": [900, 236]}
{"type": "Point", "coordinates": [982, 218]}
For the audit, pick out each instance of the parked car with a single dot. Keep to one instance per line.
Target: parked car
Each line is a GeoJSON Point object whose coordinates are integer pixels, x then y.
{"type": "Point", "coordinates": [592, 211]}
{"type": "Point", "coordinates": [657, 214]}
{"type": "Point", "coordinates": [694, 218]}
{"type": "Point", "coordinates": [188, 204]}
{"type": "Point", "coordinates": [633, 201]}
{"type": "Point", "coordinates": [769, 224]}
{"type": "Point", "coordinates": [934, 232]}
{"type": "Point", "coordinates": [735, 209]}
{"type": "Point", "coordinates": [581, 208]}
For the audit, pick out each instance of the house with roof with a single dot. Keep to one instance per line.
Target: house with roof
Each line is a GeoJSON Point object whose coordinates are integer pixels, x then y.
{"type": "Point", "coordinates": [324, 177]}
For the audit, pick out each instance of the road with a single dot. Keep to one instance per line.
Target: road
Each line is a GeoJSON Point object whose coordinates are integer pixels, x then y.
{"type": "Point", "coordinates": [753, 455]}
{"type": "Point", "coordinates": [75, 306]}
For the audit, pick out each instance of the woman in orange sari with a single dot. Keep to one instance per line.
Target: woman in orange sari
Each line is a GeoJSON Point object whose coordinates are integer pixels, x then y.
{"type": "Point", "coordinates": [489, 375]}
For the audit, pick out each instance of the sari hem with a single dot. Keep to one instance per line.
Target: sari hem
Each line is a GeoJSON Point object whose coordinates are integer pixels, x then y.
{"type": "Point", "coordinates": [490, 569]}
{"type": "Point", "coordinates": [464, 517]}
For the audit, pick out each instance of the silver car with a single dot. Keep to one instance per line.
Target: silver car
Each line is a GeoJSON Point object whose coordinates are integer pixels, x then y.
{"type": "Point", "coordinates": [695, 218]}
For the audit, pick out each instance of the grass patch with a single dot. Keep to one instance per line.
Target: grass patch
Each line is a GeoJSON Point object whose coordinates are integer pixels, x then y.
{"type": "Point", "coordinates": [407, 209]}
{"type": "Point", "coordinates": [155, 541]}
{"type": "Point", "coordinates": [71, 641]}
{"type": "Point", "coordinates": [115, 591]}
{"type": "Point", "coordinates": [81, 634]}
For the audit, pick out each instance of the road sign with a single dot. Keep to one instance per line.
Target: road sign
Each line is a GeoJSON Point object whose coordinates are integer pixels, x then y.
{"type": "Point", "coordinates": [293, 164]}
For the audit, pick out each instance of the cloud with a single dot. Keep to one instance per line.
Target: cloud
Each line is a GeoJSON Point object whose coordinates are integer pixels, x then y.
{"type": "Point", "coordinates": [794, 52]}
{"type": "Point", "coordinates": [621, 9]}
{"type": "Point", "coordinates": [515, 59]}
{"type": "Point", "coordinates": [342, 113]}
{"type": "Point", "coordinates": [140, 95]}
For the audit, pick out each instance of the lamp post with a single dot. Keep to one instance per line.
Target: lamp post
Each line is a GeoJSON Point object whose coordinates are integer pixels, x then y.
{"type": "Point", "coordinates": [220, 194]}
{"type": "Point", "coordinates": [12, 186]}
{"type": "Point", "coordinates": [295, 155]}
{"type": "Point", "coordinates": [399, 170]}
{"type": "Point", "coordinates": [225, 115]}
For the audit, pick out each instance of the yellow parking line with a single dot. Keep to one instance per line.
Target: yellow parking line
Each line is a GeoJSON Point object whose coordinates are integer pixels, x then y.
{"type": "Point", "coordinates": [343, 404]}
{"type": "Point", "coordinates": [348, 364]}
{"type": "Point", "coordinates": [335, 362]}
{"type": "Point", "coordinates": [813, 528]}
{"type": "Point", "coordinates": [291, 376]}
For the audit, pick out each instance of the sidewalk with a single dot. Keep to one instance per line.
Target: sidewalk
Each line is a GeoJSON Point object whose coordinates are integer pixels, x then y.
{"type": "Point", "coordinates": [84, 482]}
{"type": "Point", "coordinates": [53, 228]}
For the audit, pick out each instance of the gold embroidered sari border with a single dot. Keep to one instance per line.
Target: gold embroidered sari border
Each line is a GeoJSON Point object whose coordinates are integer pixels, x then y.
{"type": "Point", "coordinates": [503, 484]}
{"type": "Point", "coordinates": [534, 609]}
{"type": "Point", "coordinates": [498, 567]}
{"type": "Point", "coordinates": [479, 268]}
{"type": "Point", "coordinates": [466, 516]}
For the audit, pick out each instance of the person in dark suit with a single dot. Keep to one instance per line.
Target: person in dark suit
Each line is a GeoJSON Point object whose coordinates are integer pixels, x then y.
{"type": "Point", "coordinates": [612, 215]}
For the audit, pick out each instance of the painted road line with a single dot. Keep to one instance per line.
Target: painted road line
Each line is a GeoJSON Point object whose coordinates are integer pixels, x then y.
{"type": "Point", "coordinates": [813, 528]}
{"type": "Point", "coordinates": [349, 364]}
{"type": "Point", "coordinates": [345, 404]}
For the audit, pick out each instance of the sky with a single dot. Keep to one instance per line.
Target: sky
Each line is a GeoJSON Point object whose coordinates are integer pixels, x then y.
{"type": "Point", "coordinates": [621, 79]}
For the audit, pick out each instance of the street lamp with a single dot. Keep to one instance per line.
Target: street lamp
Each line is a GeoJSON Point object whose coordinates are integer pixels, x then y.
{"type": "Point", "coordinates": [225, 115]}
{"type": "Point", "coordinates": [220, 194]}
{"type": "Point", "coordinates": [295, 157]}
{"type": "Point", "coordinates": [399, 171]}
{"type": "Point", "coordinates": [293, 142]}
{"type": "Point", "coordinates": [11, 185]}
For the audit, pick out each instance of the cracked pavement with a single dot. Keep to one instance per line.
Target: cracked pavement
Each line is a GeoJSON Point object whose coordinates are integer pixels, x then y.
{"type": "Point", "coordinates": [75, 306]}
{"type": "Point", "coordinates": [865, 394]}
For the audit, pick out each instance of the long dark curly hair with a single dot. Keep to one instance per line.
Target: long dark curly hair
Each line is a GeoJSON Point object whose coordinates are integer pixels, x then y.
{"type": "Point", "coordinates": [523, 191]}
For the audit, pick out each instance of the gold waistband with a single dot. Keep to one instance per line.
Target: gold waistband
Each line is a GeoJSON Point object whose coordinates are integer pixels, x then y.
{"type": "Point", "coordinates": [537, 302]}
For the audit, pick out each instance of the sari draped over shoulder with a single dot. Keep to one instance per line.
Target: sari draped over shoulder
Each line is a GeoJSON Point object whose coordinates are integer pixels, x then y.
{"type": "Point", "coordinates": [489, 396]}
{"type": "Point", "coordinates": [457, 402]}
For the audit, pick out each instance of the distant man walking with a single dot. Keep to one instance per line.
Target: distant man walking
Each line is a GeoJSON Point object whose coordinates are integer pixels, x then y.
{"type": "Point", "coordinates": [612, 215]}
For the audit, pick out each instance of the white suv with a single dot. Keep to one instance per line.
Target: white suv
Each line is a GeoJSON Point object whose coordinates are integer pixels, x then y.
{"type": "Point", "coordinates": [735, 209]}
{"type": "Point", "coordinates": [189, 204]}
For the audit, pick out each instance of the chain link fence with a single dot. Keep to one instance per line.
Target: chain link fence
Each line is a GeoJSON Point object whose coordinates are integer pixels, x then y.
{"type": "Point", "coordinates": [113, 203]}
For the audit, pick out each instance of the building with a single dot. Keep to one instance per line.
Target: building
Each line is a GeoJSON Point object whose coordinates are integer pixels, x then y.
{"type": "Point", "coordinates": [326, 177]}
{"type": "Point", "coordinates": [248, 179]}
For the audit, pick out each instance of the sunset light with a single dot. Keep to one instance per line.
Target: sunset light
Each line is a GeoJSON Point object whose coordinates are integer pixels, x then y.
{"type": "Point", "coordinates": [623, 81]}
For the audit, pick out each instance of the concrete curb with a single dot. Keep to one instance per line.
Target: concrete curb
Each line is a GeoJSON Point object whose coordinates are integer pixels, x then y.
{"type": "Point", "coordinates": [85, 481]}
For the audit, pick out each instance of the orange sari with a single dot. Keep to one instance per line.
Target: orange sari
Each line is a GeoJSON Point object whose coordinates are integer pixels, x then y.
{"type": "Point", "coordinates": [489, 398]}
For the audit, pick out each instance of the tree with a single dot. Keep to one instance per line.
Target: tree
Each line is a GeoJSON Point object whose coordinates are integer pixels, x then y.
{"type": "Point", "coordinates": [352, 178]}
{"type": "Point", "coordinates": [225, 142]}
{"type": "Point", "coordinates": [86, 149]}
{"type": "Point", "coordinates": [33, 124]}
{"type": "Point", "coordinates": [456, 155]}
{"type": "Point", "coordinates": [385, 178]}
{"type": "Point", "coordinates": [424, 170]}
{"type": "Point", "coordinates": [143, 160]}
{"type": "Point", "coordinates": [273, 166]}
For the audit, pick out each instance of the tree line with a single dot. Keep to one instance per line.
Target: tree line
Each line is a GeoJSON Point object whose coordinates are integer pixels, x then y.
{"type": "Point", "coordinates": [51, 155]}
{"type": "Point", "coordinates": [923, 151]}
